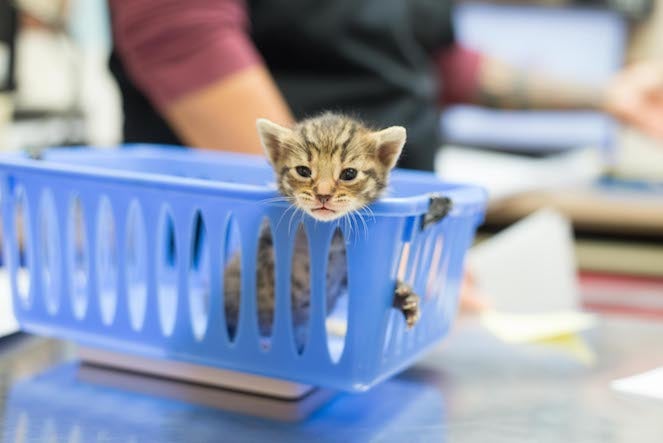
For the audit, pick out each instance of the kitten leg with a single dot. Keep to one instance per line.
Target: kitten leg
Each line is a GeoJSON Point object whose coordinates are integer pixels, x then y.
{"type": "Point", "coordinates": [407, 302]}
{"type": "Point", "coordinates": [337, 271]}
{"type": "Point", "coordinates": [231, 294]}
{"type": "Point", "coordinates": [265, 281]}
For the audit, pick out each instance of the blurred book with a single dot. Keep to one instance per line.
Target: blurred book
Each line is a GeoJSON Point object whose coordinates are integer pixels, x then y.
{"type": "Point", "coordinates": [612, 293]}
{"type": "Point", "coordinates": [615, 256]}
{"type": "Point", "coordinates": [592, 208]}
{"type": "Point", "coordinates": [35, 130]}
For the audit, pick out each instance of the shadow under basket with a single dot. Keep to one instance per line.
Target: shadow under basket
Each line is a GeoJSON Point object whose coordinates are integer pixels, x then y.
{"type": "Point", "coordinates": [124, 251]}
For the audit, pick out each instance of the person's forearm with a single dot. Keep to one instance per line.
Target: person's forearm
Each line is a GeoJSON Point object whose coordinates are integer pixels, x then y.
{"type": "Point", "coordinates": [502, 86]}
{"type": "Point", "coordinates": [223, 114]}
{"type": "Point", "coordinates": [196, 63]}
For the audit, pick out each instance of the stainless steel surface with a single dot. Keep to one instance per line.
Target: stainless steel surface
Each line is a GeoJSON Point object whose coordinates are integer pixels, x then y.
{"type": "Point", "coordinates": [472, 388]}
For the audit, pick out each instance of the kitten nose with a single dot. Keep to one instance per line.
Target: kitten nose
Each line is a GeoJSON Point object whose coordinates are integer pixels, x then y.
{"type": "Point", "coordinates": [324, 198]}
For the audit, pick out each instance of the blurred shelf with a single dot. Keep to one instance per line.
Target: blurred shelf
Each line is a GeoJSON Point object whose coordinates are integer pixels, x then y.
{"type": "Point", "coordinates": [593, 209]}
{"type": "Point", "coordinates": [611, 293]}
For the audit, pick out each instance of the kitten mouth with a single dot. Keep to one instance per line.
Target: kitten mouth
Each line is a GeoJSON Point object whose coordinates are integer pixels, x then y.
{"type": "Point", "coordinates": [323, 210]}
{"type": "Point", "coordinates": [324, 213]}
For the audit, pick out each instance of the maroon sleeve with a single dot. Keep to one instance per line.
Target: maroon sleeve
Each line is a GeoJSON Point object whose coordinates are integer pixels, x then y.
{"type": "Point", "coordinates": [458, 70]}
{"type": "Point", "coordinates": [174, 47]}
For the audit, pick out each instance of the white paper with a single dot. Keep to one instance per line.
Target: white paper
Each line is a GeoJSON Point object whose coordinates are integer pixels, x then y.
{"type": "Point", "coordinates": [504, 175]}
{"type": "Point", "coordinates": [649, 384]}
{"type": "Point", "coordinates": [529, 267]}
{"type": "Point", "coordinates": [525, 328]}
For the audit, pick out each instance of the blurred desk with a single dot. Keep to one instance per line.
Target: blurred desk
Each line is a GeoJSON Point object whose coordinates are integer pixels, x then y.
{"type": "Point", "coordinates": [589, 208]}
{"type": "Point", "coordinates": [472, 388]}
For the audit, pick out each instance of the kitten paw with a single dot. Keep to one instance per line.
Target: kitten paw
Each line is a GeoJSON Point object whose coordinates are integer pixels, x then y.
{"type": "Point", "coordinates": [407, 302]}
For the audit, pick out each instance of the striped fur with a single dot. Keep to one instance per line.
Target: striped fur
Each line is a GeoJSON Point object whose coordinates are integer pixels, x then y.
{"type": "Point", "coordinates": [326, 145]}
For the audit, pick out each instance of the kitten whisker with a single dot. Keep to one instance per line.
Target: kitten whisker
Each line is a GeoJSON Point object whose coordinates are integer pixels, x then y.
{"type": "Point", "coordinates": [357, 220]}
{"type": "Point", "coordinates": [354, 222]}
{"type": "Point", "coordinates": [302, 214]}
{"type": "Point", "coordinates": [359, 230]}
{"type": "Point", "coordinates": [301, 217]}
{"type": "Point", "coordinates": [276, 200]}
{"type": "Point", "coordinates": [292, 206]}
{"type": "Point", "coordinates": [369, 211]}
{"type": "Point", "coordinates": [354, 226]}
{"type": "Point", "coordinates": [290, 222]}
{"type": "Point", "coordinates": [361, 217]}
{"type": "Point", "coordinates": [348, 227]}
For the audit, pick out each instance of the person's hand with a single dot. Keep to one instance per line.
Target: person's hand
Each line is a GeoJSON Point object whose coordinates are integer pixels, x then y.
{"type": "Point", "coordinates": [471, 300]}
{"type": "Point", "coordinates": [635, 96]}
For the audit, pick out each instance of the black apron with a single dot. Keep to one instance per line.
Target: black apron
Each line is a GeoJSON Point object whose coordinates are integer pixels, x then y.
{"type": "Point", "coordinates": [367, 58]}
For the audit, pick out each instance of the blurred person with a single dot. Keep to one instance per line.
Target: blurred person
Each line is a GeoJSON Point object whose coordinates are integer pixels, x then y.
{"type": "Point", "coordinates": [199, 73]}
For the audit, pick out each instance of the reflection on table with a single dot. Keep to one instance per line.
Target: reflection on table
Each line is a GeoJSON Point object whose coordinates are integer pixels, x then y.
{"type": "Point", "coordinates": [472, 388]}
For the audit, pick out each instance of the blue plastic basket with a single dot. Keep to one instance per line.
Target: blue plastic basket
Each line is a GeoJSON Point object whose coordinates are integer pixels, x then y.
{"type": "Point", "coordinates": [124, 250]}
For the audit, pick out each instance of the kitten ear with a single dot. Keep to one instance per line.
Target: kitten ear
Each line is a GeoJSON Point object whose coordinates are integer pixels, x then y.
{"type": "Point", "coordinates": [271, 136]}
{"type": "Point", "coordinates": [390, 144]}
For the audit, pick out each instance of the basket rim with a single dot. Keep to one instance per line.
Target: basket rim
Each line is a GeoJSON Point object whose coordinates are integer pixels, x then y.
{"type": "Point", "coordinates": [467, 198]}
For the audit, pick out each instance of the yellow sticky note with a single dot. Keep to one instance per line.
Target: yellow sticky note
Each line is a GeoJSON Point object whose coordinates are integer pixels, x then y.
{"type": "Point", "coordinates": [574, 345]}
{"type": "Point", "coordinates": [527, 328]}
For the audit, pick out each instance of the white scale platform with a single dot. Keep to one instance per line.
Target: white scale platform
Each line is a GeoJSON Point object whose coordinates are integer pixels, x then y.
{"type": "Point", "coordinates": [219, 388]}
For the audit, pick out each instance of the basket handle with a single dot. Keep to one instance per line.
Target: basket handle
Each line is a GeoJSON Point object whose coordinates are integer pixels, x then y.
{"type": "Point", "coordinates": [438, 208]}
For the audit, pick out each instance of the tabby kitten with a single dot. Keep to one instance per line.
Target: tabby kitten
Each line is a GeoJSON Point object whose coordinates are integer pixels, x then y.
{"type": "Point", "coordinates": [327, 166]}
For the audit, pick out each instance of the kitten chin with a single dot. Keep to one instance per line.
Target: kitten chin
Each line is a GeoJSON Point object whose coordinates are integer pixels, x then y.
{"type": "Point", "coordinates": [330, 213]}
{"type": "Point", "coordinates": [331, 165]}
{"type": "Point", "coordinates": [324, 214]}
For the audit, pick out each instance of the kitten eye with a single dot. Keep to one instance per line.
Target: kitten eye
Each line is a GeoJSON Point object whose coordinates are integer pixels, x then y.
{"type": "Point", "coordinates": [303, 171]}
{"type": "Point", "coordinates": [348, 174]}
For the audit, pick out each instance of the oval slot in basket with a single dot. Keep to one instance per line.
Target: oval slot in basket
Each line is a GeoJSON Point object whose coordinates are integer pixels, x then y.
{"type": "Point", "coordinates": [265, 284]}
{"type": "Point", "coordinates": [300, 289]}
{"type": "Point", "coordinates": [336, 292]}
{"type": "Point", "coordinates": [199, 277]}
{"type": "Point", "coordinates": [136, 266]}
{"type": "Point", "coordinates": [232, 277]}
{"type": "Point", "coordinates": [49, 248]}
{"type": "Point", "coordinates": [434, 271]}
{"type": "Point", "coordinates": [22, 241]}
{"type": "Point", "coordinates": [167, 261]}
{"type": "Point", "coordinates": [79, 263]}
{"type": "Point", "coordinates": [106, 261]}
{"type": "Point", "coordinates": [394, 330]}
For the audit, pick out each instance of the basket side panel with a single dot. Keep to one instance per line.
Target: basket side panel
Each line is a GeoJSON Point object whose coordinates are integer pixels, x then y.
{"type": "Point", "coordinates": [433, 266]}
{"type": "Point", "coordinates": [376, 344]}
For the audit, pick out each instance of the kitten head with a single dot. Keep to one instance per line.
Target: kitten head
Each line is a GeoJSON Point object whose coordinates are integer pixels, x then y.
{"type": "Point", "coordinates": [331, 165]}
